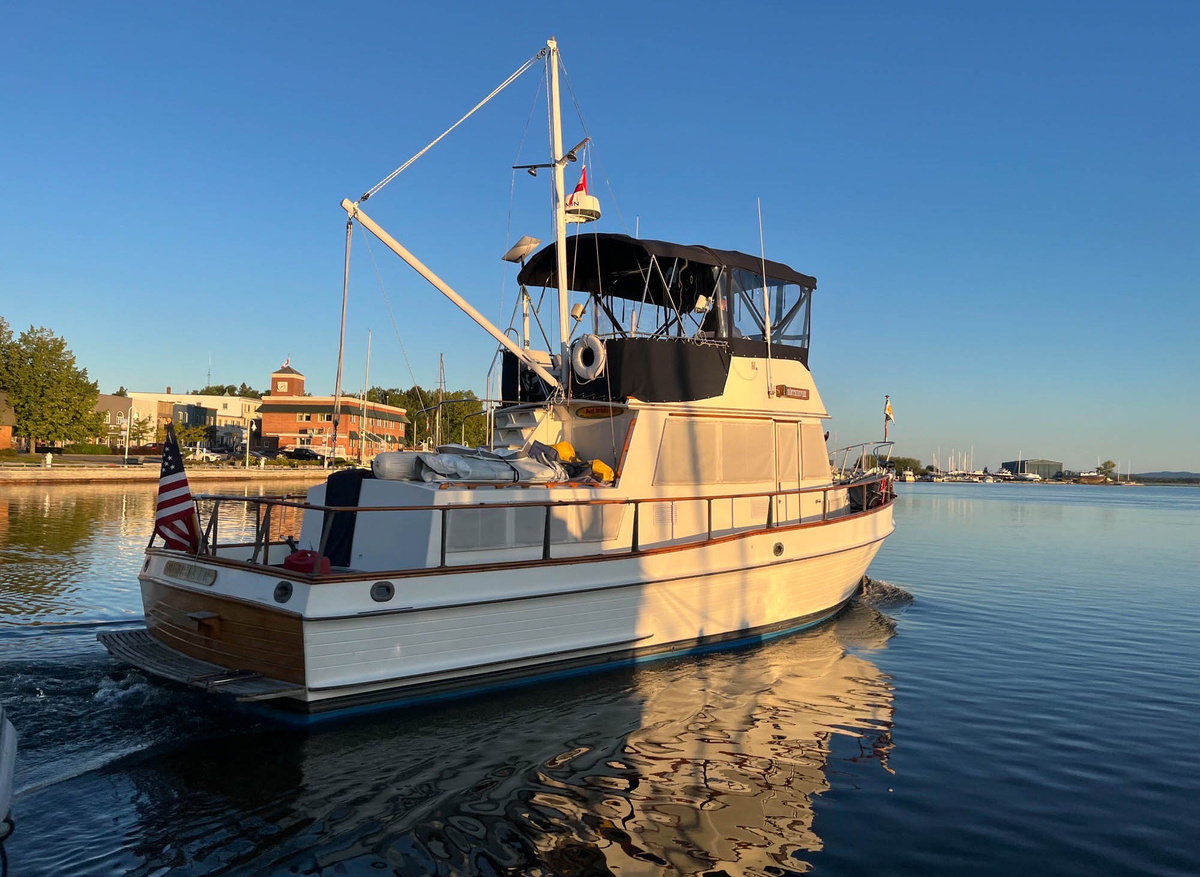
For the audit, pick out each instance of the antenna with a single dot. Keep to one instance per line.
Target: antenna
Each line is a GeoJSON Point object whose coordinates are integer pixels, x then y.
{"type": "Point", "coordinates": [762, 250]}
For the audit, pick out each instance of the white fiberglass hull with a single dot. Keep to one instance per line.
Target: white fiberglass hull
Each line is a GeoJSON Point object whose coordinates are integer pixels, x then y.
{"type": "Point", "coordinates": [474, 628]}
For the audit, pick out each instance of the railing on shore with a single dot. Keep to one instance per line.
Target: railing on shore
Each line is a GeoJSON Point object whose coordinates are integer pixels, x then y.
{"type": "Point", "coordinates": [273, 514]}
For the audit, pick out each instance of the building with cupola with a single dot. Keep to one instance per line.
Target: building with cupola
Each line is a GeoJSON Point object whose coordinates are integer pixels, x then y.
{"type": "Point", "coordinates": [292, 419]}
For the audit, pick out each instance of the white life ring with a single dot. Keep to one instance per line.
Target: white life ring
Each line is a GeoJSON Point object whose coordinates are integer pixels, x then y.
{"type": "Point", "coordinates": [589, 347]}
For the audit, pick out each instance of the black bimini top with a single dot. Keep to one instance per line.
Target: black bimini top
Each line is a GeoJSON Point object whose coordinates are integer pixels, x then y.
{"type": "Point", "coordinates": [619, 266]}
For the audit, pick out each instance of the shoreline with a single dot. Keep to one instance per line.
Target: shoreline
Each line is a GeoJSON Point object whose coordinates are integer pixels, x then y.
{"type": "Point", "coordinates": [83, 474]}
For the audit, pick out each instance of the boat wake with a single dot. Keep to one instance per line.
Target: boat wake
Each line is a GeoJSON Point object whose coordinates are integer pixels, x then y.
{"type": "Point", "coordinates": [81, 716]}
{"type": "Point", "coordinates": [882, 595]}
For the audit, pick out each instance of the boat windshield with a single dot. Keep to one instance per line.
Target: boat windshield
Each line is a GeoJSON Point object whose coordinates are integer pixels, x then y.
{"type": "Point", "coordinates": [742, 290]}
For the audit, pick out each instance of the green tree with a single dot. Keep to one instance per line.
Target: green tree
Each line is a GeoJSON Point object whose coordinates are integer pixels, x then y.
{"type": "Point", "coordinates": [216, 390]}
{"type": "Point", "coordinates": [51, 397]}
{"type": "Point", "coordinates": [248, 391]}
{"type": "Point", "coordinates": [461, 414]}
{"type": "Point", "coordinates": [190, 435]}
{"type": "Point", "coordinates": [903, 463]}
{"type": "Point", "coordinates": [140, 429]}
{"type": "Point", "coordinates": [1106, 468]}
{"type": "Point", "coordinates": [121, 391]}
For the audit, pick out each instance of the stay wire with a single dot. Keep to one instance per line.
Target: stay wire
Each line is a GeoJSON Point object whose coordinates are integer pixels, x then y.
{"type": "Point", "coordinates": [515, 75]}
{"type": "Point", "coordinates": [392, 317]}
{"type": "Point", "coordinates": [583, 122]}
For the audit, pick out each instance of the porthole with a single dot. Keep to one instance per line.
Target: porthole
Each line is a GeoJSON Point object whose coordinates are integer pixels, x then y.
{"type": "Point", "coordinates": [778, 549]}
{"type": "Point", "coordinates": [283, 592]}
{"type": "Point", "coordinates": [381, 592]}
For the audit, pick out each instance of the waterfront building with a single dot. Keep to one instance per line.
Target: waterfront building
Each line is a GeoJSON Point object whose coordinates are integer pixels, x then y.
{"type": "Point", "coordinates": [8, 420]}
{"type": "Point", "coordinates": [291, 419]}
{"type": "Point", "coordinates": [232, 417]}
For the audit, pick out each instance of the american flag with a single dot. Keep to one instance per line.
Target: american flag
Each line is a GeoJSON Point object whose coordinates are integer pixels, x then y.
{"type": "Point", "coordinates": [175, 520]}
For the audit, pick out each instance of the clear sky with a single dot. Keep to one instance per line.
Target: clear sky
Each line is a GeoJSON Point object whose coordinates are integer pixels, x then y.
{"type": "Point", "coordinates": [999, 201]}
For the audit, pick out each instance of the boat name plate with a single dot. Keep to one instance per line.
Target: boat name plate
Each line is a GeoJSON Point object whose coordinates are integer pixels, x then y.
{"type": "Point", "coordinates": [787, 392]}
{"type": "Point", "coordinates": [597, 412]}
{"type": "Point", "coordinates": [187, 572]}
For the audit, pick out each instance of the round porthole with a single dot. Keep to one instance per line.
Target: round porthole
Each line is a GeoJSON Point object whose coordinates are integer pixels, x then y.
{"type": "Point", "coordinates": [778, 549]}
{"type": "Point", "coordinates": [381, 592]}
{"type": "Point", "coordinates": [283, 592]}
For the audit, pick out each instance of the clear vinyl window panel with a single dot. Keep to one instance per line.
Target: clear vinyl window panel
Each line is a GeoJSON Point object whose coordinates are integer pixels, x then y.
{"type": "Point", "coordinates": [708, 451]}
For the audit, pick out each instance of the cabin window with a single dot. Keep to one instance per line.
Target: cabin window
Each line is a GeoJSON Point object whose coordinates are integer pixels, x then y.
{"type": "Point", "coordinates": [689, 453]}
{"type": "Point", "coordinates": [746, 451]}
{"type": "Point", "coordinates": [708, 451]}
{"type": "Point", "coordinates": [787, 453]}
{"type": "Point", "coordinates": [814, 454]}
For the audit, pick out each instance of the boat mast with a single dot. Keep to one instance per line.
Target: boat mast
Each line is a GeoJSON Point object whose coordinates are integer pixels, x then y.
{"type": "Point", "coordinates": [560, 217]}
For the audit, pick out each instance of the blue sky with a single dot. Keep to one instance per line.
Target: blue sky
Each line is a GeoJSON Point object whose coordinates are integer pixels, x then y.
{"type": "Point", "coordinates": [999, 200]}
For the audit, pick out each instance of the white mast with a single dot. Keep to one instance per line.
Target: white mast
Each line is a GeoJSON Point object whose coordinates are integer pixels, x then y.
{"type": "Point", "coordinates": [560, 220]}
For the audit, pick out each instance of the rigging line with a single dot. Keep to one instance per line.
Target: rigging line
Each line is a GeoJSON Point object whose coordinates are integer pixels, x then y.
{"type": "Point", "coordinates": [583, 122]}
{"type": "Point", "coordinates": [337, 386]}
{"type": "Point", "coordinates": [503, 85]}
{"type": "Point", "coordinates": [392, 317]}
{"type": "Point", "coordinates": [512, 187]}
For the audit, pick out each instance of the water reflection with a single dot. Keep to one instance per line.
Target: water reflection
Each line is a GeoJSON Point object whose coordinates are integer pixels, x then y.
{"type": "Point", "coordinates": [699, 765]}
{"type": "Point", "coordinates": [72, 552]}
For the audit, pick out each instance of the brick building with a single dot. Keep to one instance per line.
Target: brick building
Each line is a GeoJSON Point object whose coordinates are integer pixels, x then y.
{"type": "Point", "coordinates": [7, 421]}
{"type": "Point", "coordinates": [291, 419]}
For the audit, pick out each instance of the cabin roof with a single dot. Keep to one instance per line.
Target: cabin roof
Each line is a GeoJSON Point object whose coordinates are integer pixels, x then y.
{"type": "Point", "coordinates": [619, 265]}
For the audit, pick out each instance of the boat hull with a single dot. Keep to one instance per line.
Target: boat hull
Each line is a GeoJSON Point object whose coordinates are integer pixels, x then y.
{"type": "Point", "coordinates": [454, 630]}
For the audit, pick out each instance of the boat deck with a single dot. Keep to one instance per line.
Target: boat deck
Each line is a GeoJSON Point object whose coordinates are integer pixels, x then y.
{"type": "Point", "coordinates": [137, 647]}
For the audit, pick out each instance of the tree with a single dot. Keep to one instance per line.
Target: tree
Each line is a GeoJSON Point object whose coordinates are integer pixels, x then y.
{"type": "Point", "coordinates": [190, 435]}
{"type": "Point", "coordinates": [121, 391]}
{"type": "Point", "coordinates": [902, 463]}
{"type": "Point", "coordinates": [1106, 469]}
{"type": "Point", "coordinates": [461, 415]}
{"type": "Point", "coordinates": [249, 392]}
{"type": "Point", "coordinates": [140, 429]}
{"type": "Point", "coordinates": [51, 397]}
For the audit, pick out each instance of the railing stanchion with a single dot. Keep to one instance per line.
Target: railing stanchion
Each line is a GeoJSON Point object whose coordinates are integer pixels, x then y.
{"type": "Point", "coordinates": [267, 537]}
{"type": "Point", "coordinates": [546, 535]}
{"type": "Point", "coordinates": [710, 519]}
{"type": "Point", "coordinates": [771, 511]}
{"type": "Point", "coordinates": [445, 513]}
{"type": "Point", "coordinates": [634, 546]}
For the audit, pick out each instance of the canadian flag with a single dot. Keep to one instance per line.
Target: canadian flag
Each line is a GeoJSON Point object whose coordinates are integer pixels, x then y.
{"type": "Point", "coordinates": [580, 190]}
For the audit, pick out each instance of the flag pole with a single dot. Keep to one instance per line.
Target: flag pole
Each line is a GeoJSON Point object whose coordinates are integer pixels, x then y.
{"type": "Point", "coordinates": [887, 415]}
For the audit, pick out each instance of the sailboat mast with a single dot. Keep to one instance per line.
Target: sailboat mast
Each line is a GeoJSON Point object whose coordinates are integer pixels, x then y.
{"type": "Point", "coordinates": [560, 217]}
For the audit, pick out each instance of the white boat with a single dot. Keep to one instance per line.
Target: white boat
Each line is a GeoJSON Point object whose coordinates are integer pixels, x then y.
{"type": "Point", "coordinates": [656, 485]}
{"type": "Point", "coordinates": [907, 476]}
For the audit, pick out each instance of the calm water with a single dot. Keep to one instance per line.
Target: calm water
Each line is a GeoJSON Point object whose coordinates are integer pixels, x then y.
{"type": "Point", "coordinates": [1031, 710]}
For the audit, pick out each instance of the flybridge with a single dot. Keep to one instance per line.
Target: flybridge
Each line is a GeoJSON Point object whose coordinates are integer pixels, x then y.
{"type": "Point", "coordinates": [659, 289]}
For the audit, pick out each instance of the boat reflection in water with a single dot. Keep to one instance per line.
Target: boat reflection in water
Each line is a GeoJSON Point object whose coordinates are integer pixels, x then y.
{"type": "Point", "coordinates": [689, 766]}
